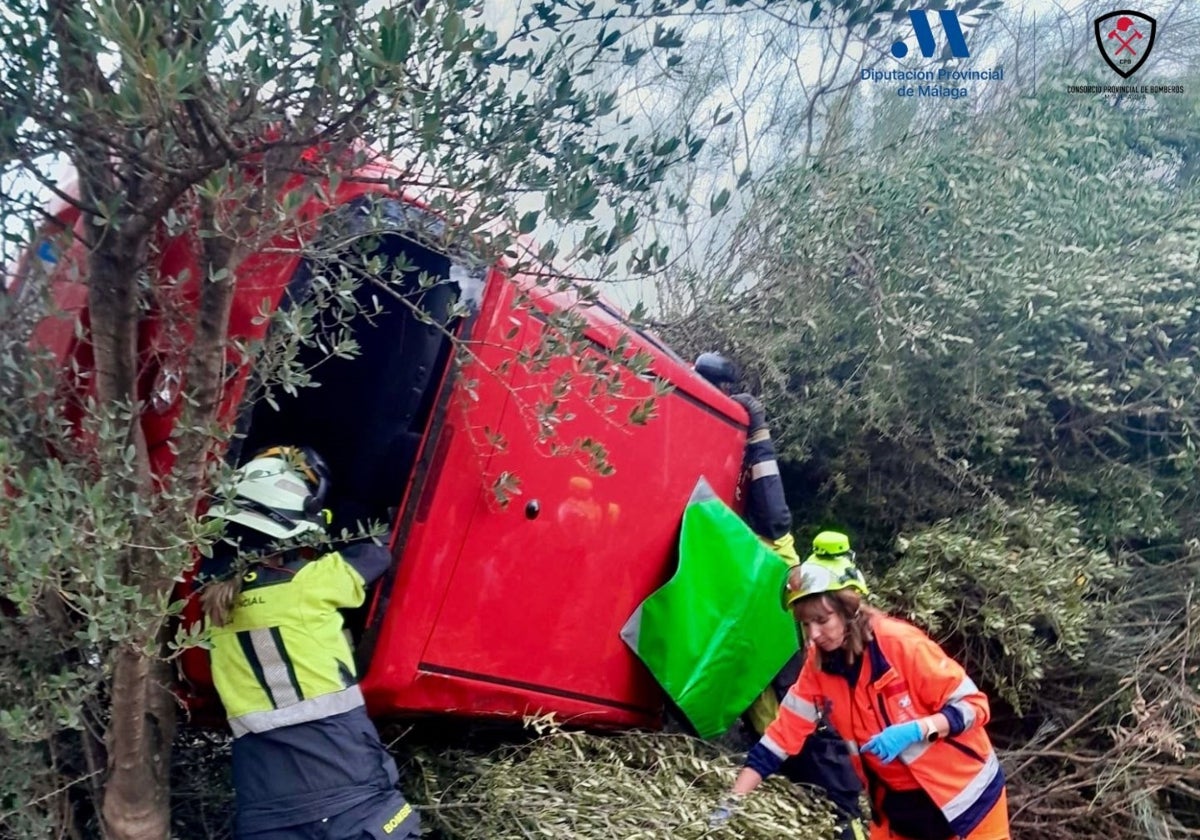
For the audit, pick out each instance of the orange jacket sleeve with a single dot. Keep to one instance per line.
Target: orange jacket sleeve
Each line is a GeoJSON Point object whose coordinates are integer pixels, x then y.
{"type": "Point", "coordinates": [940, 683]}
{"type": "Point", "coordinates": [798, 711]}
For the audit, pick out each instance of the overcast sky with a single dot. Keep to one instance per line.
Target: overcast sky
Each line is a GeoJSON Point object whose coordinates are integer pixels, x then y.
{"type": "Point", "coordinates": [747, 54]}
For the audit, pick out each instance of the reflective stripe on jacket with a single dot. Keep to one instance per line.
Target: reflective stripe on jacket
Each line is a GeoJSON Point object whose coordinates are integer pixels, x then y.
{"type": "Point", "coordinates": [766, 509]}
{"type": "Point", "coordinates": [905, 675]}
{"type": "Point", "coordinates": [283, 657]}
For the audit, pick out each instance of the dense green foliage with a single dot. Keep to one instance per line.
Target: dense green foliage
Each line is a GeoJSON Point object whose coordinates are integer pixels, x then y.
{"type": "Point", "coordinates": [1008, 306]}
{"type": "Point", "coordinates": [978, 346]}
{"type": "Point", "coordinates": [1013, 584]}
{"type": "Point", "coordinates": [65, 605]}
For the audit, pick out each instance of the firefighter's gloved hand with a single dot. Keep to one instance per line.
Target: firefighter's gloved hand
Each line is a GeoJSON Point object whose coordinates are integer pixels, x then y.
{"type": "Point", "coordinates": [889, 743]}
{"type": "Point", "coordinates": [754, 407]}
{"type": "Point", "coordinates": [725, 810]}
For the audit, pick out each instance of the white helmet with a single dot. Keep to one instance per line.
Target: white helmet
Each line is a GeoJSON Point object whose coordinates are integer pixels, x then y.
{"type": "Point", "coordinates": [280, 493]}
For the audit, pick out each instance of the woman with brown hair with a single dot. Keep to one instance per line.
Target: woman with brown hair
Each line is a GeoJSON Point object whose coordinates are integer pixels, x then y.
{"type": "Point", "coordinates": [892, 693]}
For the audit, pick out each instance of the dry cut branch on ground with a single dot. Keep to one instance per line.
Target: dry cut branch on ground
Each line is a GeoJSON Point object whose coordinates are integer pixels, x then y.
{"type": "Point", "coordinates": [648, 786]}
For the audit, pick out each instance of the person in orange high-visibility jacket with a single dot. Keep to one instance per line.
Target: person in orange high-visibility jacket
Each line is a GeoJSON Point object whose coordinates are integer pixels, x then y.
{"type": "Point", "coordinates": [912, 718]}
{"type": "Point", "coordinates": [823, 762]}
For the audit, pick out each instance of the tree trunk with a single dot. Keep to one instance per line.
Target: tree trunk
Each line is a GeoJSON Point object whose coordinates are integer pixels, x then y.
{"type": "Point", "coordinates": [137, 797]}
{"type": "Point", "coordinates": [142, 716]}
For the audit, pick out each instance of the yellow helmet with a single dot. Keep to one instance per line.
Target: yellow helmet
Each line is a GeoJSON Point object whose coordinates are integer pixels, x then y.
{"type": "Point", "coordinates": [830, 544]}
{"type": "Point", "coordinates": [818, 574]}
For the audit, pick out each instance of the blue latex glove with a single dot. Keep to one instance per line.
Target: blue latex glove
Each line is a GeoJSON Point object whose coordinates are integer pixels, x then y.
{"type": "Point", "coordinates": [724, 812]}
{"type": "Point", "coordinates": [889, 743]}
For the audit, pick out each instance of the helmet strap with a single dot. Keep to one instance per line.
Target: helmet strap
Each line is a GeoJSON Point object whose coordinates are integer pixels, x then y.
{"type": "Point", "coordinates": [265, 510]}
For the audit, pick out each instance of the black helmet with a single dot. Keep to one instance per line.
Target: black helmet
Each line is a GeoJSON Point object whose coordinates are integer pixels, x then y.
{"type": "Point", "coordinates": [716, 369]}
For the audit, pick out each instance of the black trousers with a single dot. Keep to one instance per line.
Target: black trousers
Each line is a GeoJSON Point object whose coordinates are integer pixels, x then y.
{"type": "Point", "coordinates": [824, 762]}
{"type": "Point", "coordinates": [386, 817]}
{"type": "Point", "coordinates": [326, 779]}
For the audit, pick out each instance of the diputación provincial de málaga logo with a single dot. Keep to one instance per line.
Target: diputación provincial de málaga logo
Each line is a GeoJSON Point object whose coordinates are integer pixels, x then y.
{"type": "Point", "coordinates": [939, 82]}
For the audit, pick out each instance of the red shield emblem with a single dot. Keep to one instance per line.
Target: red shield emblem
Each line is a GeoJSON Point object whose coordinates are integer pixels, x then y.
{"type": "Point", "coordinates": [1125, 38]}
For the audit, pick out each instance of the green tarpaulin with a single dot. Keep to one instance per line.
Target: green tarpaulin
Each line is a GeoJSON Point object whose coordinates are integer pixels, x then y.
{"type": "Point", "coordinates": [714, 635]}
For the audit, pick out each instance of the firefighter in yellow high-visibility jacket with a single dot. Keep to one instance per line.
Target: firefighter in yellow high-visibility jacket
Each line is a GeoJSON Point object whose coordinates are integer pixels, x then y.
{"type": "Point", "coordinates": [307, 761]}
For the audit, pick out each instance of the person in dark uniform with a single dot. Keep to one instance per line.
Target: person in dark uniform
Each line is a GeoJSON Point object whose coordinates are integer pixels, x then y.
{"type": "Point", "coordinates": [307, 760]}
{"type": "Point", "coordinates": [824, 761]}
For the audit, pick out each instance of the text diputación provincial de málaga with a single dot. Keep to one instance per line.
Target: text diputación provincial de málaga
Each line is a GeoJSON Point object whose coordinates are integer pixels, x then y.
{"type": "Point", "coordinates": [942, 74]}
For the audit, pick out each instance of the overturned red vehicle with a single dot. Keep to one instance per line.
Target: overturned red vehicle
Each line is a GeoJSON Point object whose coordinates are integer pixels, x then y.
{"type": "Point", "coordinates": [489, 610]}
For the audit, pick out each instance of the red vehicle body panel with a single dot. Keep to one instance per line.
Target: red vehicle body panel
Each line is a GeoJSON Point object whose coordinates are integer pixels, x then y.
{"type": "Point", "coordinates": [518, 610]}
{"type": "Point", "coordinates": [489, 610]}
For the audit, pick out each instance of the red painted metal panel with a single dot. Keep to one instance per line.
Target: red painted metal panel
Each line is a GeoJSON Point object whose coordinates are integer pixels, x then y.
{"type": "Point", "coordinates": [516, 610]}
{"type": "Point", "coordinates": [442, 510]}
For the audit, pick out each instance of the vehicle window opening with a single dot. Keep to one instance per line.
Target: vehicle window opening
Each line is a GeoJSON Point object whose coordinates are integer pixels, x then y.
{"type": "Point", "coordinates": [368, 414]}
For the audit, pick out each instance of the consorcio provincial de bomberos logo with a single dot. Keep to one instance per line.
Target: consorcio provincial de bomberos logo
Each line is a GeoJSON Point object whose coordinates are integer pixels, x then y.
{"type": "Point", "coordinates": [1125, 39]}
{"type": "Point", "coordinates": [934, 82]}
